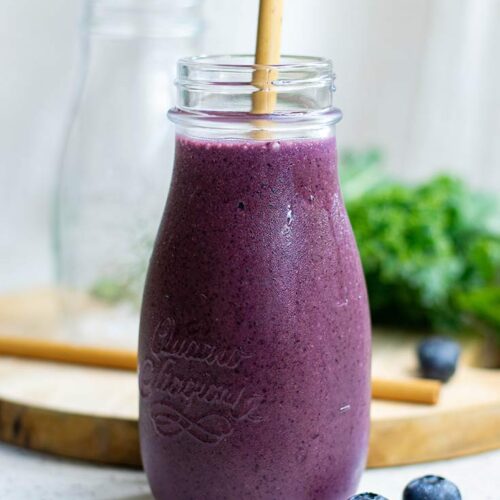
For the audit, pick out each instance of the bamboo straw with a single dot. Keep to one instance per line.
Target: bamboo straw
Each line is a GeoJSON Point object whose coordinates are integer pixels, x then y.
{"type": "Point", "coordinates": [410, 390]}
{"type": "Point", "coordinates": [68, 353]}
{"type": "Point", "coordinates": [267, 52]}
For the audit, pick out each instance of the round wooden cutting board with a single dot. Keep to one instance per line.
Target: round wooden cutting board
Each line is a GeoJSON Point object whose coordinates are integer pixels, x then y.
{"type": "Point", "coordinates": [91, 413]}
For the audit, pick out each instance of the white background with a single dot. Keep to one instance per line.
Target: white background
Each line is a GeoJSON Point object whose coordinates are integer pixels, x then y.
{"type": "Point", "coordinates": [418, 78]}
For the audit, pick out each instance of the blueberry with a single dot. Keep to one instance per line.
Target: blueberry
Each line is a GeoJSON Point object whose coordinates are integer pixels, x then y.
{"type": "Point", "coordinates": [431, 488]}
{"type": "Point", "coordinates": [367, 496]}
{"type": "Point", "coordinates": [438, 357]}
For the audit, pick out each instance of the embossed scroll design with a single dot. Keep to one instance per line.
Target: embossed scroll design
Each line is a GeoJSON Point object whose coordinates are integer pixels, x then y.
{"type": "Point", "coordinates": [223, 407]}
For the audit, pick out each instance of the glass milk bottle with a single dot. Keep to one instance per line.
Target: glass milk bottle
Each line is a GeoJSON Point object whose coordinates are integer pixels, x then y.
{"type": "Point", "coordinates": [255, 331]}
{"type": "Point", "coordinates": [115, 168]}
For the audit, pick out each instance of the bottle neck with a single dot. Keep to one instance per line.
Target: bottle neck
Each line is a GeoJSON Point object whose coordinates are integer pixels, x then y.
{"type": "Point", "coordinates": [215, 98]}
{"type": "Point", "coordinates": [161, 19]}
{"type": "Point", "coordinates": [134, 42]}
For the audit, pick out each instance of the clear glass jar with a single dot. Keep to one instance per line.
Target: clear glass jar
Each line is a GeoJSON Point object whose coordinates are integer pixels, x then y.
{"type": "Point", "coordinates": [116, 165]}
{"type": "Point", "coordinates": [254, 350]}
{"type": "Point", "coordinates": [214, 98]}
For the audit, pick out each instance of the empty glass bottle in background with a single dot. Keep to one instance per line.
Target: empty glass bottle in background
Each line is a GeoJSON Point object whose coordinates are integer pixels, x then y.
{"type": "Point", "coordinates": [117, 161]}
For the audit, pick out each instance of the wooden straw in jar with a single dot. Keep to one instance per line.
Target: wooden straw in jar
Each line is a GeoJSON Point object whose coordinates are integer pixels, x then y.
{"type": "Point", "coordinates": [268, 52]}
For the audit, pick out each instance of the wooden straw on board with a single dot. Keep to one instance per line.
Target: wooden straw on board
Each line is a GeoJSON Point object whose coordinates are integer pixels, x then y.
{"type": "Point", "coordinates": [68, 353]}
{"type": "Point", "coordinates": [410, 390]}
{"type": "Point", "coordinates": [267, 52]}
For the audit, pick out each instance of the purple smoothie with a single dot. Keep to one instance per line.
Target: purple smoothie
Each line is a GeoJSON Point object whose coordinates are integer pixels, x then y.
{"type": "Point", "coordinates": [255, 329]}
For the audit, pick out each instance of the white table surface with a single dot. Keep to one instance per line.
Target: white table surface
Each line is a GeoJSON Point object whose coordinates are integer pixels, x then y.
{"type": "Point", "coordinates": [26, 475]}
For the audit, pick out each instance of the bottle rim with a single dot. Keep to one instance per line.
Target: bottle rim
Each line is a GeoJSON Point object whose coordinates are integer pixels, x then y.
{"type": "Point", "coordinates": [215, 89]}
{"type": "Point", "coordinates": [242, 62]}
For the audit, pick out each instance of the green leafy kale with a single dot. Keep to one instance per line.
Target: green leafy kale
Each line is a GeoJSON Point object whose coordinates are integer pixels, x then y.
{"type": "Point", "coordinates": [430, 255]}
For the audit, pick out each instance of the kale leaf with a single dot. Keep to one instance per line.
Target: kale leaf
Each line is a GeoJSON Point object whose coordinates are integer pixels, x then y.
{"type": "Point", "coordinates": [430, 255]}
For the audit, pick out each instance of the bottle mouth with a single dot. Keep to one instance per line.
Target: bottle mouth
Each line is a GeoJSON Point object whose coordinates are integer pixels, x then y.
{"type": "Point", "coordinates": [209, 68]}
{"type": "Point", "coordinates": [215, 88]}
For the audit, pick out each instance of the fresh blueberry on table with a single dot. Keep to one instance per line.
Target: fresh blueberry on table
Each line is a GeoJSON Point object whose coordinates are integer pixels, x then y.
{"type": "Point", "coordinates": [438, 358]}
{"type": "Point", "coordinates": [367, 496]}
{"type": "Point", "coordinates": [431, 488]}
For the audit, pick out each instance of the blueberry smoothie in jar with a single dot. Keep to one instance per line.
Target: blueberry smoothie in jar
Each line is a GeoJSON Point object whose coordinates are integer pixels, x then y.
{"type": "Point", "coordinates": [255, 331]}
